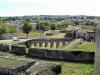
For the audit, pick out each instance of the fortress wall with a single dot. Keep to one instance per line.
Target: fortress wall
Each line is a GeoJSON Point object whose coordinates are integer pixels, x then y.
{"type": "Point", "coordinates": [62, 55]}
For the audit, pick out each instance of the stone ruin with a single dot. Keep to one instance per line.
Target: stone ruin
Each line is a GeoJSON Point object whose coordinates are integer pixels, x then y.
{"type": "Point", "coordinates": [41, 68]}
{"type": "Point", "coordinates": [27, 67]}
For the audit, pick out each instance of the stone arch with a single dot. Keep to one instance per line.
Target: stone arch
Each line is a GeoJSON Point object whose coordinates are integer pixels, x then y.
{"type": "Point", "coordinates": [43, 45]}
{"type": "Point", "coordinates": [54, 44]}
{"type": "Point", "coordinates": [40, 44]}
{"type": "Point", "coordinates": [46, 44]}
{"type": "Point", "coordinates": [60, 44]}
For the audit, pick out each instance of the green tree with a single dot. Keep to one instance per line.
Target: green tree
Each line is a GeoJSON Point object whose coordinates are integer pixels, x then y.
{"type": "Point", "coordinates": [89, 23]}
{"type": "Point", "coordinates": [76, 23]}
{"type": "Point", "coordinates": [27, 27]}
{"type": "Point", "coordinates": [61, 25]}
{"type": "Point", "coordinates": [53, 27]}
{"type": "Point", "coordinates": [12, 29]}
{"type": "Point", "coordinates": [43, 26]}
{"type": "Point", "coordinates": [4, 28]}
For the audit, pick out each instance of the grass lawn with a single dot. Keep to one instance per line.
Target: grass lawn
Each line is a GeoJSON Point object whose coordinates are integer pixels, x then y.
{"type": "Point", "coordinates": [11, 63]}
{"type": "Point", "coordinates": [58, 35]}
{"type": "Point", "coordinates": [84, 46]}
{"type": "Point", "coordinates": [31, 34]}
{"type": "Point", "coordinates": [77, 69]}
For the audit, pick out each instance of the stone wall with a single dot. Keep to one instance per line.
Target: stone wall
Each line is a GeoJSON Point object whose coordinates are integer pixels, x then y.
{"type": "Point", "coordinates": [18, 50]}
{"type": "Point", "coordinates": [46, 41]}
{"type": "Point", "coordinates": [25, 66]}
{"type": "Point", "coordinates": [5, 71]}
{"type": "Point", "coordinates": [77, 56]}
{"type": "Point", "coordinates": [4, 48]}
{"type": "Point", "coordinates": [41, 68]}
{"type": "Point", "coordinates": [17, 70]}
{"type": "Point", "coordinates": [88, 36]}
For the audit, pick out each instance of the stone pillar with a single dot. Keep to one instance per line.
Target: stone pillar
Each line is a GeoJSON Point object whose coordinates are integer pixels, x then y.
{"type": "Point", "coordinates": [51, 44]}
{"type": "Point", "coordinates": [35, 44]}
{"type": "Point", "coordinates": [57, 44]}
{"type": "Point", "coordinates": [40, 44]}
{"type": "Point", "coordinates": [63, 43]}
{"type": "Point", "coordinates": [46, 44]}
{"type": "Point", "coordinates": [10, 48]}
{"type": "Point", "coordinates": [94, 37]}
{"type": "Point", "coordinates": [97, 53]}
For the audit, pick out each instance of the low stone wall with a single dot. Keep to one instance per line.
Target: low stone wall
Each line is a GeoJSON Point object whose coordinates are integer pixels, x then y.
{"type": "Point", "coordinates": [40, 68]}
{"type": "Point", "coordinates": [5, 71]}
{"type": "Point", "coordinates": [77, 56]}
{"type": "Point", "coordinates": [18, 50]}
{"type": "Point", "coordinates": [24, 67]}
{"type": "Point", "coordinates": [4, 48]}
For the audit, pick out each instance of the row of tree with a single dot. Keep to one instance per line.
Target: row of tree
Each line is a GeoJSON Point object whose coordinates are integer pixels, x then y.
{"type": "Point", "coordinates": [4, 28]}
{"type": "Point", "coordinates": [41, 26]}
{"type": "Point", "coordinates": [51, 26]}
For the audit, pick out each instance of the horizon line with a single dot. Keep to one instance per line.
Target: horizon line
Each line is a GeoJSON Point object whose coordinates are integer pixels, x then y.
{"type": "Point", "coordinates": [47, 15]}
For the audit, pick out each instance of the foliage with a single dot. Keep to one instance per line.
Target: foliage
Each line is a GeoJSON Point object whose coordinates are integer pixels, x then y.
{"type": "Point", "coordinates": [51, 26]}
{"type": "Point", "coordinates": [27, 27]}
{"type": "Point", "coordinates": [12, 29]}
{"type": "Point", "coordinates": [3, 27]}
{"type": "Point", "coordinates": [76, 23]}
{"type": "Point", "coordinates": [89, 23]}
{"type": "Point", "coordinates": [43, 26]}
{"type": "Point", "coordinates": [61, 25]}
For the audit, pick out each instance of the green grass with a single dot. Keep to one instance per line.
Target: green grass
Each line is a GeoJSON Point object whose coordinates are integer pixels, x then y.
{"type": "Point", "coordinates": [31, 34]}
{"type": "Point", "coordinates": [77, 69]}
{"type": "Point", "coordinates": [84, 46]}
{"type": "Point", "coordinates": [11, 63]}
{"type": "Point", "coordinates": [58, 35]}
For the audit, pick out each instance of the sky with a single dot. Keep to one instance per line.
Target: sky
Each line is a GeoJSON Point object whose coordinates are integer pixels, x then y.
{"type": "Point", "coordinates": [49, 7]}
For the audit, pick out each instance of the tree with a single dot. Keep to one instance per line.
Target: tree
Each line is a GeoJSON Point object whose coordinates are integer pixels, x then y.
{"type": "Point", "coordinates": [64, 25]}
{"type": "Point", "coordinates": [76, 23]}
{"type": "Point", "coordinates": [27, 27]}
{"type": "Point", "coordinates": [89, 23]}
{"type": "Point", "coordinates": [53, 27]}
{"type": "Point", "coordinates": [43, 26]}
{"type": "Point", "coordinates": [61, 25]}
{"type": "Point", "coordinates": [4, 28]}
{"type": "Point", "coordinates": [12, 29]}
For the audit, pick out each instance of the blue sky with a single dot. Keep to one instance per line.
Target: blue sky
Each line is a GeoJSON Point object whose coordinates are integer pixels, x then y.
{"type": "Point", "coordinates": [49, 7]}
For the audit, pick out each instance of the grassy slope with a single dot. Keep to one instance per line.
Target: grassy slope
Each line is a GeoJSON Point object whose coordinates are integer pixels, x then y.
{"type": "Point", "coordinates": [85, 46]}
